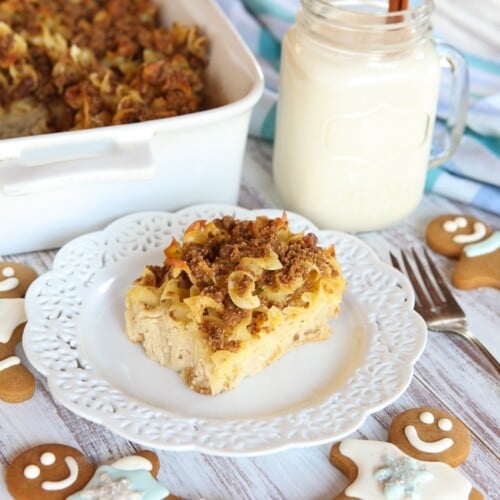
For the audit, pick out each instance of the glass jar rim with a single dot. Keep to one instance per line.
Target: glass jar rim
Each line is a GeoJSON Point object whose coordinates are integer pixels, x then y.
{"type": "Point", "coordinates": [370, 15]}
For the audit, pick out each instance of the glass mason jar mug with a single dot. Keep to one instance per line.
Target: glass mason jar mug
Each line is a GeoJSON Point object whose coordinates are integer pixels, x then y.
{"type": "Point", "coordinates": [356, 113]}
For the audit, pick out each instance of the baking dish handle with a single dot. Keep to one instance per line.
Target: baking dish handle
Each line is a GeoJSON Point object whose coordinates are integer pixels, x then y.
{"type": "Point", "coordinates": [130, 162]}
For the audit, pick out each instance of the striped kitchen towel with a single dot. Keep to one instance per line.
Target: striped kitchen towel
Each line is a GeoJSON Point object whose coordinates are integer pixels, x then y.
{"type": "Point", "coordinates": [472, 176]}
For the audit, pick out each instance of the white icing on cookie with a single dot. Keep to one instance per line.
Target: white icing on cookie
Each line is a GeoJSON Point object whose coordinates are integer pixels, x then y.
{"type": "Point", "coordinates": [31, 471]}
{"type": "Point", "coordinates": [47, 458]}
{"type": "Point", "coordinates": [9, 362]}
{"type": "Point", "coordinates": [452, 225]}
{"type": "Point", "coordinates": [10, 282]}
{"type": "Point", "coordinates": [64, 483]}
{"type": "Point", "coordinates": [8, 272]}
{"type": "Point", "coordinates": [426, 417]}
{"type": "Point", "coordinates": [446, 483]}
{"type": "Point", "coordinates": [133, 462]}
{"type": "Point", "coordinates": [478, 234]}
{"type": "Point", "coordinates": [445, 424]}
{"type": "Point", "coordinates": [426, 446]}
{"type": "Point", "coordinates": [11, 314]}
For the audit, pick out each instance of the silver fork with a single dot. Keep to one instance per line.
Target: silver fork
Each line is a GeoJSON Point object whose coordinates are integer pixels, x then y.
{"type": "Point", "coordinates": [435, 302]}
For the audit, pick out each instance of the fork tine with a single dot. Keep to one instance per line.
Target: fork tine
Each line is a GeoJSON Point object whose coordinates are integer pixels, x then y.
{"type": "Point", "coordinates": [443, 287]}
{"type": "Point", "coordinates": [421, 295]}
{"type": "Point", "coordinates": [431, 288]}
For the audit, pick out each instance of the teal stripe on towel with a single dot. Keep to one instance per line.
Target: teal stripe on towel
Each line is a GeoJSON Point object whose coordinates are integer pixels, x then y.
{"type": "Point", "coordinates": [432, 176]}
{"type": "Point", "coordinates": [487, 65]}
{"type": "Point", "coordinates": [269, 123]}
{"type": "Point", "coordinates": [489, 142]}
{"type": "Point", "coordinates": [264, 7]}
{"type": "Point", "coordinates": [269, 48]}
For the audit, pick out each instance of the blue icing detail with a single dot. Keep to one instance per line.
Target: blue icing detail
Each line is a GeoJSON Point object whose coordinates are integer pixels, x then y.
{"type": "Point", "coordinates": [401, 477]}
{"type": "Point", "coordinates": [136, 481]}
{"type": "Point", "coordinates": [489, 245]}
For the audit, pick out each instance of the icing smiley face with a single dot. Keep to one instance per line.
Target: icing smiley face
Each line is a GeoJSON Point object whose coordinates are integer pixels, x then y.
{"type": "Point", "coordinates": [449, 234]}
{"type": "Point", "coordinates": [432, 435]}
{"type": "Point", "coordinates": [57, 472]}
{"type": "Point", "coordinates": [473, 243]}
{"type": "Point", "coordinates": [48, 472]}
{"type": "Point", "coordinates": [452, 226]}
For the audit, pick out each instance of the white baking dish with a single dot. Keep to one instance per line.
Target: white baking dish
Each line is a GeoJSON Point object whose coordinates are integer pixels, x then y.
{"type": "Point", "coordinates": [54, 187]}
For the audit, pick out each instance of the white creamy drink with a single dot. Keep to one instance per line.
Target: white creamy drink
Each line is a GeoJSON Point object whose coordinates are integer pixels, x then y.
{"type": "Point", "coordinates": [355, 118]}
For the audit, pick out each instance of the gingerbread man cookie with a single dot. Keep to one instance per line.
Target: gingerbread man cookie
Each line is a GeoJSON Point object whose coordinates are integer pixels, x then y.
{"type": "Point", "coordinates": [416, 464]}
{"type": "Point", "coordinates": [57, 472]}
{"type": "Point", "coordinates": [48, 472]}
{"type": "Point", "coordinates": [473, 243]}
{"type": "Point", "coordinates": [431, 434]}
{"type": "Point", "coordinates": [16, 382]}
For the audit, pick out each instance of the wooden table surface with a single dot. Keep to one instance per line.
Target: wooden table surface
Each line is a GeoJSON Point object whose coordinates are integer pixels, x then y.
{"type": "Point", "coordinates": [450, 375]}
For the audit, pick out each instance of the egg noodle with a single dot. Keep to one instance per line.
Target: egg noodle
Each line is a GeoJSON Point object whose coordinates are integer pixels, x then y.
{"type": "Point", "coordinates": [238, 298]}
{"type": "Point", "coordinates": [80, 64]}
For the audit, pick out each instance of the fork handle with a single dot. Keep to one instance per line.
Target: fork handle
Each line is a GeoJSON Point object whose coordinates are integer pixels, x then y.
{"type": "Point", "coordinates": [466, 333]}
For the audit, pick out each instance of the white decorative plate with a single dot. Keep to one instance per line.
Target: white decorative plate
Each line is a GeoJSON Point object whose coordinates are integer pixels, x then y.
{"type": "Point", "coordinates": [317, 393]}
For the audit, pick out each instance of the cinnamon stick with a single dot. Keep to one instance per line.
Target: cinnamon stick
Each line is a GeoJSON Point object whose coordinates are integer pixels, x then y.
{"type": "Point", "coordinates": [394, 5]}
{"type": "Point", "coordinates": [397, 6]}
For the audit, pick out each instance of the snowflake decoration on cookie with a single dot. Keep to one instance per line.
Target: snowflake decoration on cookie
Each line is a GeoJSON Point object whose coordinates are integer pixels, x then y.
{"type": "Point", "coordinates": [109, 488]}
{"type": "Point", "coordinates": [118, 484]}
{"type": "Point", "coordinates": [400, 477]}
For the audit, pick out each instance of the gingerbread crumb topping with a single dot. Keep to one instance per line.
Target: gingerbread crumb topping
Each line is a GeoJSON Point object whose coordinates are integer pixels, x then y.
{"type": "Point", "coordinates": [259, 264]}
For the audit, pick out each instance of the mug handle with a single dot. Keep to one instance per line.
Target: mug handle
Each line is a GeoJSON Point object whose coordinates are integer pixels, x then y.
{"type": "Point", "coordinates": [447, 133]}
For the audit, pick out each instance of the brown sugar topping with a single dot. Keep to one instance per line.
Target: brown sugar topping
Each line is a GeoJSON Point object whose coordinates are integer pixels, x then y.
{"type": "Point", "coordinates": [211, 251]}
{"type": "Point", "coordinates": [221, 254]}
{"type": "Point", "coordinates": [91, 63]}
